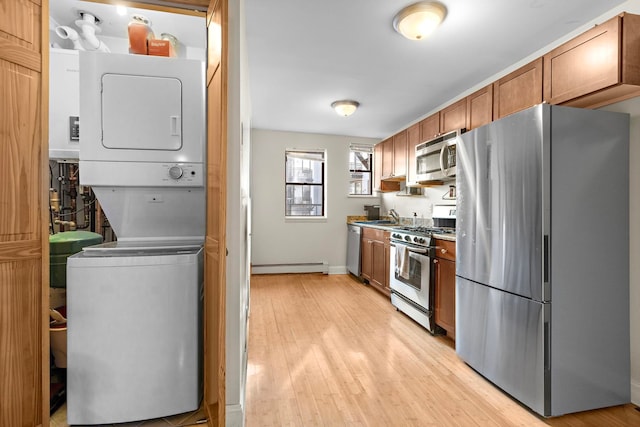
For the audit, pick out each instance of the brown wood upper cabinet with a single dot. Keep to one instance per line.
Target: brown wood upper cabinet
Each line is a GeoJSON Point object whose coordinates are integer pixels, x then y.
{"type": "Point", "coordinates": [518, 90]}
{"type": "Point", "coordinates": [480, 107]}
{"type": "Point", "coordinates": [379, 167]}
{"type": "Point", "coordinates": [430, 127]}
{"type": "Point", "coordinates": [400, 154]}
{"type": "Point", "coordinates": [599, 67]}
{"type": "Point", "coordinates": [454, 116]}
{"type": "Point", "coordinates": [394, 158]}
{"type": "Point", "coordinates": [450, 118]}
{"type": "Point", "coordinates": [387, 158]}
{"type": "Point", "coordinates": [413, 139]}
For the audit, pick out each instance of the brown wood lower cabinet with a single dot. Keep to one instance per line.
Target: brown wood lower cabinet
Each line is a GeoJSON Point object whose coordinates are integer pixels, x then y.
{"type": "Point", "coordinates": [374, 266]}
{"type": "Point", "coordinates": [445, 283]}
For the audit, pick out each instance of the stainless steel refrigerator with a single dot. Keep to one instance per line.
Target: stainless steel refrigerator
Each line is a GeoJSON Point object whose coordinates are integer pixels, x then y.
{"type": "Point", "coordinates": [542, 268]}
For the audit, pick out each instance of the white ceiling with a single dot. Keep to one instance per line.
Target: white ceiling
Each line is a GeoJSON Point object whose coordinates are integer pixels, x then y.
{"type": "Point", "coordinates": [303, 55]}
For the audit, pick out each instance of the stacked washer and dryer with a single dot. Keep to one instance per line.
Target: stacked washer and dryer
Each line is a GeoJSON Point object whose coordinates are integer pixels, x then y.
{"type": "Point", "coordinates": [134, 306]}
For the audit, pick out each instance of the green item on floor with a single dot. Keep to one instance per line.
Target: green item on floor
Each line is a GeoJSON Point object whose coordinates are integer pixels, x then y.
{"type": "Point", "coordinates": [61, 246]}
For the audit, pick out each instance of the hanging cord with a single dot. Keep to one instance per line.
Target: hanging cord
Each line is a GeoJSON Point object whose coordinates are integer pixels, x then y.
{"type": "Point", "coordinates": [79, 210]}
{"type": "Point", "coordinates": [53, 230]}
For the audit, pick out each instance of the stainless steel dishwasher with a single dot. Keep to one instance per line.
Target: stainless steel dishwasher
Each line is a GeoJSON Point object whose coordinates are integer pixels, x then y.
{"type": "Point", "coordinates": [353, 249]}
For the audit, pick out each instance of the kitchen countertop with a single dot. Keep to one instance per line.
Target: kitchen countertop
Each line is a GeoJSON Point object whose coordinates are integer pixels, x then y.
{"type": "Point", "coordinates": [449, 237]}
{"type": "Point", "coordinates": [360, 221]}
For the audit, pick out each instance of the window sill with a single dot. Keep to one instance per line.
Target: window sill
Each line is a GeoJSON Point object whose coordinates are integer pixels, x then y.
{"type": "Point", "coordinates": [305, 219]}
{"type": "Point", "coordinates": [362, 196]}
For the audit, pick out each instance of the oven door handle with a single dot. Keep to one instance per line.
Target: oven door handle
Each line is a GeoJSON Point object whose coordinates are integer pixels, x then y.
{"type": "Point", "coordinates": [417, 250]}
{"type": "Point", "coordinates": [422, 251]}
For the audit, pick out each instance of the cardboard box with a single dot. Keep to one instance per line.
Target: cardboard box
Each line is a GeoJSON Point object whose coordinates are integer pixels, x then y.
{"type": "Point", "coordinates": [159, 47]}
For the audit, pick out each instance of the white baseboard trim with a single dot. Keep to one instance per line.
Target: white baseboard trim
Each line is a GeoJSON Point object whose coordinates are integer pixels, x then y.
{"type": "Point", "coordinates": [339, 269]}
{"type": "Point", "coordinates": [234, 416]}
{"type": "Point", "coordinates": [635, 392]}
{"type": "Point", "coordinates": [303, 267]}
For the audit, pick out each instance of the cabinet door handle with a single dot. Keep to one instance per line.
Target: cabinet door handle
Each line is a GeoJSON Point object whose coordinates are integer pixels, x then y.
{"type": "Point", "coordinates": [443, 251]}
{"type": "Point", "coordinates": [435, 261]}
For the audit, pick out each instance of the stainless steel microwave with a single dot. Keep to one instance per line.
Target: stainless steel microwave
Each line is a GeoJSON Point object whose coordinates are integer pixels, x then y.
{"type": "Point", "coordinates": [436, 159]}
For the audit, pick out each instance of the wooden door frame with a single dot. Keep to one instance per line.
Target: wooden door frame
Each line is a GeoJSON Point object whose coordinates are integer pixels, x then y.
{"type": "Point", "coordinates": [215, 239]}
{"type": "Point", "coordinates": [44, 195]}
{"type": "Point", "coordinates": [214, 378]}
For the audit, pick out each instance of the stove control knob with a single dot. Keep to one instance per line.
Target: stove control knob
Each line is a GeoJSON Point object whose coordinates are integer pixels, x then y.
{"type": "Point", "coordinates": [407, 238]}
{"type": "Point", "coordinates": [415, 239]}
{"type": "Point", "coordinates": [421, 240]}
{"type": "Point", "coordinates": [175, 172]}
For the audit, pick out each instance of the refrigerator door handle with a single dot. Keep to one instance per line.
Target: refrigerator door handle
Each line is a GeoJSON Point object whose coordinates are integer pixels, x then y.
{"type": "Point", "coordinates": [545, 257]}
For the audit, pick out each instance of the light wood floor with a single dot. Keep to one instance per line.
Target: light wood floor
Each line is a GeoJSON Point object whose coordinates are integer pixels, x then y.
{"type": "Point", "coordinates": [330, 351]}
{"type": "Point", "coordinates": [189, 419]}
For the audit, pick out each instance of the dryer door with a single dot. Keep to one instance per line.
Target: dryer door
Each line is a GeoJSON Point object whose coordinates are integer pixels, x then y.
{"type": "Point", "coordinates": [141, 112]}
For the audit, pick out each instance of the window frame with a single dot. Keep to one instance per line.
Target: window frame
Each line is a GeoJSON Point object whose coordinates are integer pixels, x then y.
{"type": "Point", "coordinates": [361, 148]}
{"type": "Point", "coordinates": [310, 153]}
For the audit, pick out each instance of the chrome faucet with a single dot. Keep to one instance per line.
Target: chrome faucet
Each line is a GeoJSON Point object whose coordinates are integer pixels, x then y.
{"type": "Point", "coordinates": [394, 215]}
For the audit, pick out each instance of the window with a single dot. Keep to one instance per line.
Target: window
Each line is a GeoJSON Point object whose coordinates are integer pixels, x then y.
{"type": "Point", "coordinates": [304, 183]}
{"type": "Point", "coordinates": [360, 161]}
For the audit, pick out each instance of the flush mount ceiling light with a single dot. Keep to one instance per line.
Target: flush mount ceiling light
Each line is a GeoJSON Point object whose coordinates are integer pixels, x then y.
{"type": "Point", "coordinates": [345, 107]}
{"type": "Point", "coordinates": [418, 20]}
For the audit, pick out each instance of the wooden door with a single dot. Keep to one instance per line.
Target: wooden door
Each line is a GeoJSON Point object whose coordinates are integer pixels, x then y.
{"type": "Point", "coordinates": [518, 90]}
{"type": "Point", "coordinates": [215, 241]}
{"type": "Point", "coordinates": [454, 116]}
{"type": "Point", "coordinates": [24, 239]}
{"type": "Point", "coordinates": [480, 107]}
{"type": "Point", "coordinates": [400, 154]}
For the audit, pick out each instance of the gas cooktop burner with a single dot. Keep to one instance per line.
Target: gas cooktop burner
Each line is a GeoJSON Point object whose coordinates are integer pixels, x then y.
{"type": "Point", "coordinates": [425, 230]}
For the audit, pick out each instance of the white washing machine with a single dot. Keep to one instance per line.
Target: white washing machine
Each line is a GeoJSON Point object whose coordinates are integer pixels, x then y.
{"type": "Point", "coordinates": [134, 307]}
{"type": "Point", "coordinates": [135, 333]}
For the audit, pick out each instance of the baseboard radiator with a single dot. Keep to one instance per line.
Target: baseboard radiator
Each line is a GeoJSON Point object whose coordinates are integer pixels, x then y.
{"type": "Point", "coordinates": [300, 267]}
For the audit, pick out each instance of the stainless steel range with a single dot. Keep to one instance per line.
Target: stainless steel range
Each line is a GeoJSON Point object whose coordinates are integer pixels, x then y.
{"type": "Point", "coordinates": [410, 274]}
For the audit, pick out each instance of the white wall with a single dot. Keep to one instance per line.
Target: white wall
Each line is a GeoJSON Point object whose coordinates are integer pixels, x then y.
{"type": "Point", "coordinates": [279, 241]}
{"type": "Point", "coordinates": [421, 205]}
{"type": "Point", "coordinates": [238, 196]}
{"type": "Point", "coordinates": [632, 107]}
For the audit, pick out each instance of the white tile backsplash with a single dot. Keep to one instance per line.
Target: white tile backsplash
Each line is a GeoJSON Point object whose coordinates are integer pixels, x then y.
{"type": "Point", "coordinates": [421, 205]}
